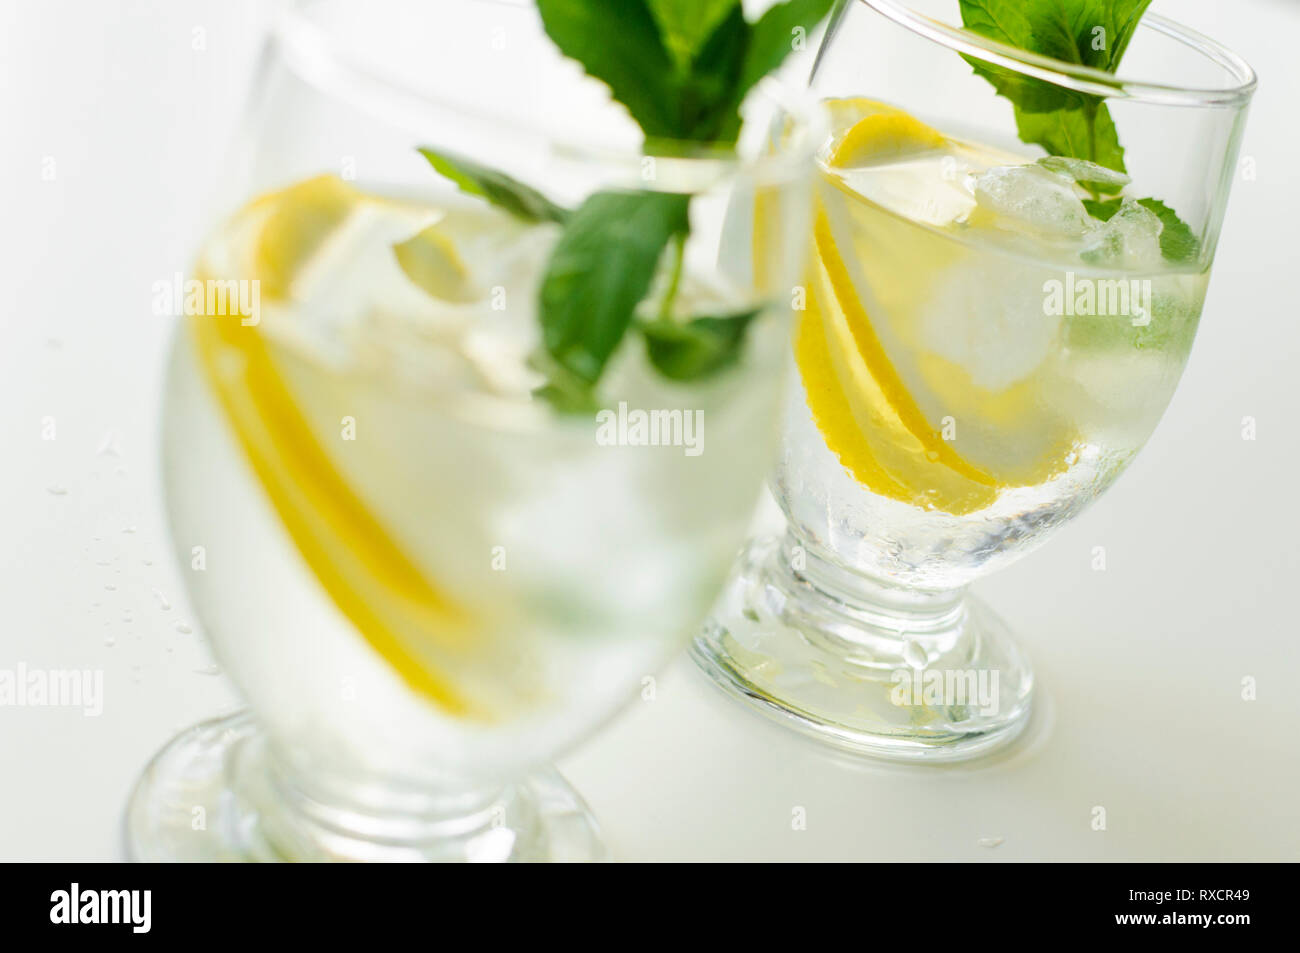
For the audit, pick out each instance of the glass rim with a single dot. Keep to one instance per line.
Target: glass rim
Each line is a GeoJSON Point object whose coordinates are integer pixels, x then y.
{"type": "Point", "coordinates": [1087, 79]}
{"type": "Point", "coordinates": [318, 60]}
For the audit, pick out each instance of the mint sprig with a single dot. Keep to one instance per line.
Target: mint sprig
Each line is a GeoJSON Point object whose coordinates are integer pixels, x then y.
{"type": "Point", "coordinates": [682, 69]}
{"type": "Point", "coordinates": [600, 270]}
{"type": "Point", "coordinates": [1066, 123]}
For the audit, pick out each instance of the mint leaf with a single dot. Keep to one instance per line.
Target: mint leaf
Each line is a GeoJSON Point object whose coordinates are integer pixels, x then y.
{"type": "Point", "coordinates": [1102, 29]}
{"type": "Point", "coordinates": [618, 42]}
{"type": "Point", "coordinates": [1085, 133]}
{"type": "Point", "coordinates": [1091, 33]}
{"type": "Point", "coordinates": [681, 67]}
{"type": "Point", "coordinates": [684, 25]}
{"type": "Point", "coordinates": [698, 348]}
{"type": "Point", "coordinates": [1177, 240]}
{"type": "Point", "coordinates": [707, 95]}
{"type": "Point", "coordinates": [496, 187]}
{"type": "Point", "coordinates": [600, 270]}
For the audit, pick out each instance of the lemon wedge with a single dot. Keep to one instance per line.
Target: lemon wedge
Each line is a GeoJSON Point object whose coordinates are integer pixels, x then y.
{"type": "Point", "coordinates": [297, 222]}
{"type": "Point", "coordinates": [431, 261]}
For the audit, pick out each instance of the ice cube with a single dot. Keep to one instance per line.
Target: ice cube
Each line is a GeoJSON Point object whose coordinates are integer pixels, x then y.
{"type": "Point", "coordinates": [1032, 198]}
{"type": "Point", "coordinates": [1130, 239]}
{"type": "Point", "coordinates": [1087, 174]}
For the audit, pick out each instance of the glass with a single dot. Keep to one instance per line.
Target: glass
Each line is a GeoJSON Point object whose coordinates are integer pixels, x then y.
{"type": "Point", "coordinates": [426, 581]}
{"type": "Point", "coordinates": [987, 343]}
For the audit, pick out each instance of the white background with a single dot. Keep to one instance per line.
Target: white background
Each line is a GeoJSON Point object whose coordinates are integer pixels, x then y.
{"type": "Point", "coordinates": [1140, 667]}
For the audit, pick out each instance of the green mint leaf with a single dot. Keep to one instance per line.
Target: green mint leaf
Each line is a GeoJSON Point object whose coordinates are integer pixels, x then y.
{"type": "Point", "coordinates": [706, 94]}
{"type": "Point", "coordinates": [1178, 243]}
{"type": "Point", "coordinates": [618, 42]}
{"type": "Point", "coordinates": [496, 187]}
{"type": "Point", "coordinates": [684, 25]}
{"type": "Point", "coordinates": [681, 67]}
{"type": "Point", "coordinates": [1177, 240]}
{"type": "Point", "coordinates": [1102, 29]}
{"type": "Point", "coordinates": [1091, 33]}
{"type": "Point", "coordinates": [697, 348]}
{"type": "Point", "coordinates": [732, 61]}
{"type": "Point", "coordinates": [1086, 133]}
{"type": "Point", "coordinates": [600, 270]}
{"type": "Point", "coordinates": [563, 390]}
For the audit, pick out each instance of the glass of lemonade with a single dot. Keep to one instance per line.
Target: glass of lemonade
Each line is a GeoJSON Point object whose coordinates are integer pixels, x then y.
{"type": "Point", "coordinates": [426, 579]}
{"type": "Point", "coordinates": [992, 331]}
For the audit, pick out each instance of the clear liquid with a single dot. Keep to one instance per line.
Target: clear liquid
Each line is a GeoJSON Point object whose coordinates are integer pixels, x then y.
{"type": "Point", "coordinates": [948, 420]}
{"type": "Point", "coordinates": [410, 566]}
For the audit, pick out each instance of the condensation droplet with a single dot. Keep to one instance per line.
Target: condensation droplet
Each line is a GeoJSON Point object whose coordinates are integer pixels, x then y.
{"type": "Point", "coordinates": [129, 530]}
{"type": "Point", "coordinates": [110, 587]}
{"type": "Point", "coordinates": [183, 628]}
{"type": "Point", "coordinates": [162, 600]}
{"type": "Point", "coordinates": [57, 490]}
{"type": "Point", "coordinates": [990, 841]}
{"type": "Point", "coordinates": [208, 670]}
{"type": "Point", "coordinates": [110, 641]}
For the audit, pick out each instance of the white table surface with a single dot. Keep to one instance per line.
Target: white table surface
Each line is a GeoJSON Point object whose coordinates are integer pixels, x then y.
{"type": "Point", "coordinates": [1140, 667]}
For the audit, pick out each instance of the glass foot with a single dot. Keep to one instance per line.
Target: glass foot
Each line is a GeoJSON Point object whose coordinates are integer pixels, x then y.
{"type": "Point", "coordinates": [862, 665]}
{"type": "Point", "coordinates": [214, 794]}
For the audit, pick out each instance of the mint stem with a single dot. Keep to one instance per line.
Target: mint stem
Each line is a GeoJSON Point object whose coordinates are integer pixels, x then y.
{"type": "Point", "coordinates": [675, 280]}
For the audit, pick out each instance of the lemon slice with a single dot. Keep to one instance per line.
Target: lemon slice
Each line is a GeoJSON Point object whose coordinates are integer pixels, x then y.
{"type": "Point", "coordinates": [884, 137]}
{"type": "Point", "coordinates": [406, 618]}
{"type": "Point", "coordinates": [866, 409]}
{"type": "Point", "coordinates": [431, 261]}
{"type": "Point", "coordinates": [298, 220]}
{"type": "Point", "coordinates": [861, 406]}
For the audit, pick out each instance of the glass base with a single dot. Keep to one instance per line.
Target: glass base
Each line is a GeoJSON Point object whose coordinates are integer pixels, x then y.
{"type": "Point", "coordinates": [863, 665]}
{"type": "Point", "coordinates": [214, 794]}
